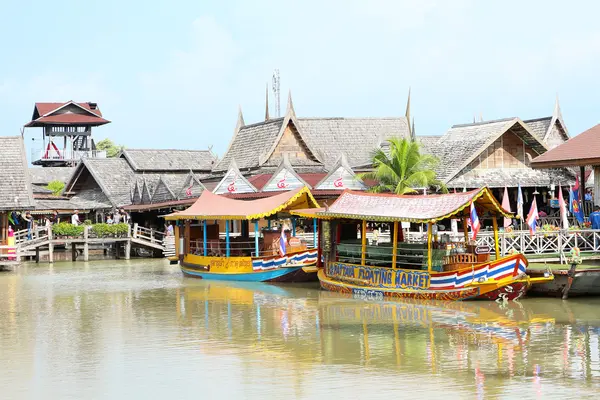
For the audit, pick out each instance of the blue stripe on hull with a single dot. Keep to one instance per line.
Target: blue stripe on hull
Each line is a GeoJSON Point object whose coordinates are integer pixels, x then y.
{"type": "Point", "coordinates": [262, 276]}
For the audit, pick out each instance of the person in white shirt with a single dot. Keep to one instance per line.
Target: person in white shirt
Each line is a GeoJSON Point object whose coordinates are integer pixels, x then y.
{"type": "Point", "coordinates": [116, 217]}
{"type": "Point", "coordinates": [75, 218]}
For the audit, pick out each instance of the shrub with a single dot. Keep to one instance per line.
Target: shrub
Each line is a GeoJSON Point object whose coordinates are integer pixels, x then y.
{"type": "Point", "coordinates": [106, 230]}
{"type": "Point", "coordinates": [56, 187]}
{"type": "Point", "coordinates": [67, 229]}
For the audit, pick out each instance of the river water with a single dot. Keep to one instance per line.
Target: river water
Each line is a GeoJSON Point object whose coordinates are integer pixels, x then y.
{"type": "Point", "coordinates": [138, 329]}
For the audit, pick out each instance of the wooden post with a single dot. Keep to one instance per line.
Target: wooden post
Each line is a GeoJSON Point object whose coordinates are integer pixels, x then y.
{"type": "Point", "coordinates": [152, 235]}
{"type": "Point", "coordinates": [363, 237]}
{"type": "Point", "coordinates": [187, 236]}
{"type": "Point", "coordinates": [582, 185]}
{"type": "Point", "coordinates": [429, 247]}
{"type": "Point", "coordinates": [227, 238]}
{"type": "Point", "coordinates": [73, 252]}
{"type": "Point", "coordinates": [50, 246]}
{"type": "Point", "coordinates": [135, 230]}
{"type": "Point", "coordinates": [37, 255]}
{"type": "Point", "coordinates": [294, 226]}
{"type": "Point", "coordinates": [176, 233]}
{"type": "Point", "coordinates": [205, 247]}
{"type": "Point", "coordinates": [496, 244]}
{"type": "Point", "coordinates": [86, 246]}
{"type": "Point", "coordinates": [256, 237]}
{"type": "Point", "coordinates": [128, 249]}
{"type": "Point", "coordinates": [466, 229]}
{"type": "Point", "coordinates": [395, 245]}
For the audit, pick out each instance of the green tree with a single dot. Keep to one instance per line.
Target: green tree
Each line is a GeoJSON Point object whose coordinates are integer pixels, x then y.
{"type": "Point", "coordinates": [112, 149]}
{"type": "Point", "coordinates": [56, 187]}
{"type": "Point", "coordinates": [403, 169]}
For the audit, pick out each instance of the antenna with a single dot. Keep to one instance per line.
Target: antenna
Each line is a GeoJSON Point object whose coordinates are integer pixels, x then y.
{"type": "Point", "coordinates": [276, 92]}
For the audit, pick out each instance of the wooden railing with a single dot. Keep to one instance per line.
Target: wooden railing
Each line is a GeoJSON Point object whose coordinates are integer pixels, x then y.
{"type": "Point", "coordinates": [151, 235]}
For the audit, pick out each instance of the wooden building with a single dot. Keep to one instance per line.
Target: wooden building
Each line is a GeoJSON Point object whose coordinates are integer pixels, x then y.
{"type": "Point", "coordinates": [67, 133]}
{"type": "Point", "coordinates": [15, 184]}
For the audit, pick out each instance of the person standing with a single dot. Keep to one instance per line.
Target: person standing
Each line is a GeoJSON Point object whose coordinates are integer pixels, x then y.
{"type": "Point", "coordinates": [75, 218]}
{"type": "Point", "coordinates": [595, 218]}
{"type": "Point", "coordinates": [54, 219]}
{"type": "Point", "coordinates": [116, 217]}
{"type": "Point", "coordinates": [29, 220]}
{"type": "Point", "coordinates": [109, 219]}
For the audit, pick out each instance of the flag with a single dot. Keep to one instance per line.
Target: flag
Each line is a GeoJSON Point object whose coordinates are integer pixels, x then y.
{"type": "Point", "coordinates": [474, 222]}
{"type": "Point", "coordinates": [570, 199]}
{"type": "Point", "coordinates": [282, 242]}
{"type": "Point", "coordinates": [563, 209]}
{"type": "Point", "coordinates": [188, 191]}
{"type": "Point", "coordinates": [532, 217]}
{"type": "Point", "coordinates": [520, 203]}
{"type": "Point", "coordinates": [506, 206]}
{"type": "Point", "coordinates": [577, 211]}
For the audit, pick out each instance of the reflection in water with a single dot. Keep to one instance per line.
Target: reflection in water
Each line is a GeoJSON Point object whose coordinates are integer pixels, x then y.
{"type": "Point", "coordinates": [138, 329]}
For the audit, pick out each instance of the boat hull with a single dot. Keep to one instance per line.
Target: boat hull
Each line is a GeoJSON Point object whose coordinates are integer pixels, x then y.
{"type": "Point", "coordinates": [501, 280]}
{"type": "Point", "coordinates": [585, 283]}
{"type": "Point", "coordinates": [294, 267]}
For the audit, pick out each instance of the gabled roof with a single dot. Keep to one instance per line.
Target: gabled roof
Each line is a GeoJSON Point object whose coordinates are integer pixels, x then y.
{"type": "Point", "coordinates": [113, 176]}
{"type": "Point", "coordinates": [341, 177]}
{"type": "Point", "coordinates": [191, 188]}
{"type": "Point", "coordinates": [284, 178]}
{"type": "Point", "coordinates": [462, 143]}
{"type": "Point", "coordinates": [146, 192]}
{"type": "Point", "coordinates": [66, 113]}
{"type": "Point", "coordinates": [45, 175]}
{"type": "Point", "coordinates": [580, 150]}
{"type": "Point", "coordinates": [214, 206]}
{"type": "Point", "coordinates": [136, 196]}
{"type": "Point", "coordinates": [234, 182]}
{"type": "Point", "coordinates": [15, 183]}
{"type": "Point", "coordinates": [411, 208]}
{"type": "Point", "coordinates": [162, 192]}
{"type": "Point", "coordinates": [168, 160]}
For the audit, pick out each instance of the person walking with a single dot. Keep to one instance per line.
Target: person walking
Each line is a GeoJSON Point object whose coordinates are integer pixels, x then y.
{"type": "Point", "coordinates": [595, 218]}
{"type": "Point", "coordinates": [75, 218]}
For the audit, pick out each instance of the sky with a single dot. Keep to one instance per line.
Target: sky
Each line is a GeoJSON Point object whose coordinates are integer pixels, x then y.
{"type": "Point", "coordinates": [172, 74]}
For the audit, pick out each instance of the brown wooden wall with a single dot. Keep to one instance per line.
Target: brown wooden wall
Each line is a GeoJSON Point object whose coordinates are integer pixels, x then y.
{"type": "Point", "coordinates": [508, 151]}
{"type": "Point", "coordinates": [290, 145]}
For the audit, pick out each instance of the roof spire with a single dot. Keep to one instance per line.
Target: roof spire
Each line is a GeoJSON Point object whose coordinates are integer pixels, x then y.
{"type": "Point", "coordinates": [407, 115]}
{"type": "Point", "coordinates": [414, 134]}
{"type": "Point", "coordinates": [240, 120]}
{"type": "Point", "coordinates": [267, 103]}
{"type": "Point", "coordinates": [290, 104]}
{"type": "Point", "coordinates": [556, 111]}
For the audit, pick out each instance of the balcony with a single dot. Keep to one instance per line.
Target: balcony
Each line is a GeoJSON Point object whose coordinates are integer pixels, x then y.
{"type": "Point", "coordinates": [57, 157]}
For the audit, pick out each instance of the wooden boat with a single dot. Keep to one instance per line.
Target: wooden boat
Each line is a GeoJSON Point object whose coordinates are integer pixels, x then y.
{"type": "Point", "coordinates": [202, 253]}
{"type": "Point", "coordinates": [437, 269]}
{"type": "Point", "coordinates": [585, 282]}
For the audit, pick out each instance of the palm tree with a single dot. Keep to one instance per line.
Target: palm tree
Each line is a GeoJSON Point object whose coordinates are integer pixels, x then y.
{"type": "Point", "coordinates": [403, 169]}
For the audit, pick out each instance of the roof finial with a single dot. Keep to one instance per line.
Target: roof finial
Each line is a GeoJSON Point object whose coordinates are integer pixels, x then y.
{"type": "Point", "coordinates": [407, 114]}
{"type": "Point", "coordinates": [480, 117]}
{"type": "Point", "coordinates": [240, 120]}
{"type": "Point", "coordinates": [267, 103]}
{"type": "Point", "coordinates": [290, 104]}
{"type": "Point", "coordinates": [556, 111]}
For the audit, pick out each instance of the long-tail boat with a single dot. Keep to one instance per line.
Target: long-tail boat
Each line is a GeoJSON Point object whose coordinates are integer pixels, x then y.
{"type": "Point", "coordinates": [437, 269]}
{"type": "Point", "coordinates": [270, 256]}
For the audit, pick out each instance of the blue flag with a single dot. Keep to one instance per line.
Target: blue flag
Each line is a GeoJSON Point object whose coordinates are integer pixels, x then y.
{"type": "Point", "coordinates": [576, 204]}
{"type": "Point", "coordinates": [571, 200]}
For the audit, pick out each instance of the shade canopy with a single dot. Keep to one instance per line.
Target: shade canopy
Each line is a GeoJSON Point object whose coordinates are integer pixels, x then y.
{"type": "Point", "coordinates": [214, 206]}
{"type": "Point", "coordinates": [580, 150]}
{"type": "Point", "coordinates": [419, 209]}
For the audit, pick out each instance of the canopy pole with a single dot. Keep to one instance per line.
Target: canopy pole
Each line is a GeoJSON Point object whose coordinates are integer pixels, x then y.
{"type": "Point", "coordinates": [294, 226]}
{"type": "Point", "coordinates": [466, 230]}
{"type": "Point", "coordinates": [256, 234]}
{"type": "Point", "coordinates": [429, 246]}
{"type": "Point", "coordinates": [269, 224]}
{"type": "Point", "coordinates": [496, 244]}
{"type": "Point", "coordinates": [227, 237]}
{"type": "Point", "coordinates": [395, 245]}
{"type": "Point", "coordinates": [363, 237]}
{"type": "Point", "coordinates": [204, 244]}
{"type": "Point", "coordinates": [315, 232]}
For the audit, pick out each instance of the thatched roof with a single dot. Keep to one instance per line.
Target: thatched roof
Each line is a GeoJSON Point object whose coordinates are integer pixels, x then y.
{"type": "Point", "coordinates": [15, 183]}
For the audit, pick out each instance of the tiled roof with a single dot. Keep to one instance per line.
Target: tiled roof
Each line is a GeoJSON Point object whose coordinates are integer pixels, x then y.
{"type": "Point", "coordinates": [114, 176]}
{"type": "Point", "coordinates": [168, 160]}
{"type": "Point", "coordinates": [45, 175]}
{"type": "Point", "coordinates": [45, 108]}
{"type": "Point", "coordinates": [249, 143]}
{"type": "Point", "coordinates": [457, 148]}
{"type": "Point", "coordinates": [356, 137]}
{"type": "Point", "coordinates": [428, 143]}
{"type": "Point", "coordinates": [15, 183]}
{"type": "Point", "coordinates": [498, 177]}
{"type": "Point", "coordinates": [66, 113]}
{"type": "Point", "coordinates": [40, 190]}
{"type": "Point", "coordinates": [539, 126]}
{"type": "Point", "coordinates": [583, 149]}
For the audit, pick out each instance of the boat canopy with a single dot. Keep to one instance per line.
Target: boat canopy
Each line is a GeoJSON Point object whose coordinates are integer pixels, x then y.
{"type": "Point", "coordinates": [409, 208]}
{"type": "Point", "coordinates": [217, 207]}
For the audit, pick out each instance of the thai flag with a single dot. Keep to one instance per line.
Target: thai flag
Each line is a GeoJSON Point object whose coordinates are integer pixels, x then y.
{"type": "Point", "coordinates": [533, 217]}
{"type": "Point", "coordinates": [475, 225]}
{"type": "Point", "coordinates": [282, 242]}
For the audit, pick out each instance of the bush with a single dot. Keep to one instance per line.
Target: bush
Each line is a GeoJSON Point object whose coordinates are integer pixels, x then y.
{"type": "Point", "coordinates": [56, 187]}
{"type": "Point", "coordinates": [67, 229]}
{"type": "Point", "coordinates": [107, 230]}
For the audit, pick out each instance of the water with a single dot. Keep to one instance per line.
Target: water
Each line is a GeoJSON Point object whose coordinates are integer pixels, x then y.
{"type": "Point", "coordinates": [138, 329]}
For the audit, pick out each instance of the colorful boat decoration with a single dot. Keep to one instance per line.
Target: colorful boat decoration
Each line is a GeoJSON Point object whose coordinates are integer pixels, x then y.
{"type": "Point", "coordinates": [436, 270]}
{"type": "Point", "coordinates": [272, 255]}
